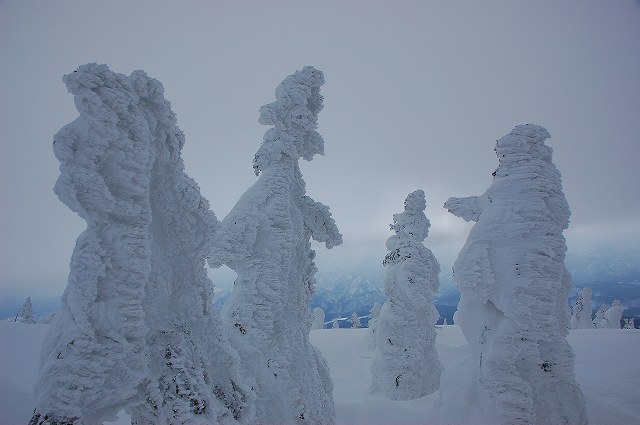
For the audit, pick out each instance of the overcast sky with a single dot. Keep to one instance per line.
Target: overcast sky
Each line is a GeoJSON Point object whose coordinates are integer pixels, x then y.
{"type": "Point", "coordinates": [416, 94]}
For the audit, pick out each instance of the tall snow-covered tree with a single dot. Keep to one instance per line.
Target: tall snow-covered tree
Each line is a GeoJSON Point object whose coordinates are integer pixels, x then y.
{"type": "Point", "coordinates": [25, 315]}
{"type": "Point", "coordinates": [318, 318]}
{"type": "Point", "coordinates": [135, 328]}
{"type": "Point", "coordinates": [265, 239]}
{"type": "Point", "coordinates": [405, 363]}
{"type": "Point", "coordinates": [612, 317]}
{"type": "Point", "coordinates": [514, 288]}
{"type": "Point", "coordinates": [581, 312]}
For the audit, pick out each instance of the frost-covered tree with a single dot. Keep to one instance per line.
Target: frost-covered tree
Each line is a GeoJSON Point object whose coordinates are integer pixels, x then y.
{"type": "Point", "coordinates": [374, 316]}
{"type": "Point", "coordinates": [355, 321]}
{"type": "Point", "coordinates": [597, 320]}
{"type": "Point", "coordinates": [335, 324]}
{"type": "Point", "coordinates": [25, 314]}
{"type": "Point", "coordinates": [581, 312]}
{"type": "Point", "coordinates": [318, 318]}
{"type": "Point", "coordinates": [629, 323]}
{"type": "Point", "coordinates": [405, 363]}
{"type": "Point", "coordinates": [265, 239]}
{"type": "Point", "coordinates": [514, 288]}
{"type": "Point", "coordinates": [136, 328]}
{"type": "Point", "coordinates": [613, 316]}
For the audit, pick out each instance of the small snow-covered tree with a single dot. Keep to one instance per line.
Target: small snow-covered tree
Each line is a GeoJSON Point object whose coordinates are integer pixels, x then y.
{"type": "Point", "coordinates": [597, 320]}
{"type": "Point", "coordinates": [405, 363]}
{"type": "Point", "coordinates": [265, 239]}
{"type": "Point", "coordinates": [355, 321]}
{"type": "Point", "coordinates": [374, 316]}
{"type": "Point", "coordinates": [612, 317]}
{"type": "Point", "coordinates": [514, 288]}
{"type": "Point", "coordinates": [335, 324]}
{"type": "Point", "coordinates": [25, 315]}
{"type": "Point", "coordinates": [318, 318]}
{"type": "Point", "coordinates": [136, 329]}
{"type": "Point", "coordinates": [629, 323]}
{"type": "Point", "coordinates": [581, 312]}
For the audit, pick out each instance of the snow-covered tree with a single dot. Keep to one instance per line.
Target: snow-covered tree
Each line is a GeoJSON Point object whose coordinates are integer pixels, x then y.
{"type": "Point", "coordinates": [629, 323]}
{"type": "Point", "coordinates": [355, 321]}
{"type": "Point", "coordinates": [25, 314]}
{"type": "Point", "coordinates": [444, 321]}
{"type": "Point", "coordinates": [581, 312]}
{"type": "Point", "coordinates": [374, 316]}
{"type": "Point", "coordinates": [265, 239]}
{"type": "Point", "coordinates": [335, 324]}
{"type": "Point", "coordinates": [318, 318]}
{"type": "Point", "coordinates": [597, 320]}
{"type": "Point", "coordinates": [514, 288]}
{"type": "Point", "coordinates": [136, 328]}
{"type": "Point", "coordinates": [405, 364]}
{"type": "Point", "coordinates": [612, 317]}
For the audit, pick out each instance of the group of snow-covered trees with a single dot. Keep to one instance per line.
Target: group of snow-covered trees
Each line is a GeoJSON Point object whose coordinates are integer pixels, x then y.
{"type": "Point", "coordinates": [605, 317]}
{"type": "Point", "coordinates": [137, 330]}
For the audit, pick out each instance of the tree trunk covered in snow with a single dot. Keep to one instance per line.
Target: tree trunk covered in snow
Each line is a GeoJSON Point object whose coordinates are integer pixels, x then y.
{"type": "Point", "coordinates": [265, 239]}
{"type": "Point", "coordinates": [135, 329]}
{"type": "Point", "coordinates": [405, 363]}
{"type": "Point", "coordinates": [514, 289]}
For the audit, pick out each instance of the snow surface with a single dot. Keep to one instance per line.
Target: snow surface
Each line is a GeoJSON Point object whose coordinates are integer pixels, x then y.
{"type": "Point", "coordinates": [611, 388]}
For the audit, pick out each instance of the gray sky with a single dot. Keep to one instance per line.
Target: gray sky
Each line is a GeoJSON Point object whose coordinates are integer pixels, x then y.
{"type": "Point", "coordinates": [416, 93]}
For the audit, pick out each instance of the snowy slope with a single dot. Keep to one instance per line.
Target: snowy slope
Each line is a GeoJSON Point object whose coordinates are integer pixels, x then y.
{"type": "Point", "coordinates": [605, 363]}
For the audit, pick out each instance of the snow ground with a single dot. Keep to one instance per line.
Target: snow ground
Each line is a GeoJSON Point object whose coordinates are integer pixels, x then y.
{"type": "Point", "coordinates": [606, 368]}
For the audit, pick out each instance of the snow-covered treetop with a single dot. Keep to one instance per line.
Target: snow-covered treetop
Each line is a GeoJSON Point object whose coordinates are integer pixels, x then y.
{"type": "Point", "coordinates": [294, 117]}
{"type": "Point", "coordinates": [111, 115]}
{"type": "Point", "coordinates": [523, 158]}
{"type": "Point", "coordinates": [412, 224]}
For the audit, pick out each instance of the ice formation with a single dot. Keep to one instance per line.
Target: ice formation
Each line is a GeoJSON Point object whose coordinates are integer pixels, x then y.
{"type": "Point", "coordinates": [265, 239]}
{"type": "Point", "coordinates": [136, 328]}
{"type": "Point", "coordinates": [318, 318]}
{"type": "Point", "coordinates": [612, 317]}
{"type": "Point", "coordinates": [25, 315]}
{"type": "Point", "coordinates": [581, 312]}
{"type": "Point", "coordinates": [405, 363]}
{"type": "Point", "coordinates": [374, 316]}
{"type": "Point", "coordinates": [597, 320]}
{"type": "Point", "coordinates": [514, 288]}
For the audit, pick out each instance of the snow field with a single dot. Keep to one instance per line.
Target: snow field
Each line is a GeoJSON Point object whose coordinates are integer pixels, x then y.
{"type": "Point", "coordinates": [605, 364]}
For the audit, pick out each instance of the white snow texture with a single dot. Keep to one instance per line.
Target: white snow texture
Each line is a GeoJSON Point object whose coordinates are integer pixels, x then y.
{"type": "Point", "coordinates": [136, 328]}
{"type": "Point", "coordinates": [581, 312]}
{"type": "Point", "coordinates": [514, 288]}
{"type": "Point", "coordinates": [405, 363]}
{"type": "Point", "coordinates": [265, 239]}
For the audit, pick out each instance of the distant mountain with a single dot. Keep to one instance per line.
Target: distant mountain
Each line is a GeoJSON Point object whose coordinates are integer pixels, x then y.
{"type": "Point", "coordinates": [595, 265]}
{"type": "Point", "coordinates": [339, 295]}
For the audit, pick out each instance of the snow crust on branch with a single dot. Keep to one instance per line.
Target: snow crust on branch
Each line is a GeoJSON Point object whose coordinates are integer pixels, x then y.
{"type": "Point", "coordinates": [265, 239]}
{"type": "Point", "coordinates": [137, 282]}
{"type": "Point", "coordinates": [405, 363]}
{"type": "Point", "coordinates": [514, 288]}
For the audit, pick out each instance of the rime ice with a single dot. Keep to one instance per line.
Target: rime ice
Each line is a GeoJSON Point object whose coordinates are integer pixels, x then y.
{"type": "Point", "coordinates": [514, 288]}
{"type": "Point", "coordinates": [405, 364]}
{"type": "Point", "coordinates": [136, 328]}
{"type": "Point", "coordinates": [265, 239]}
